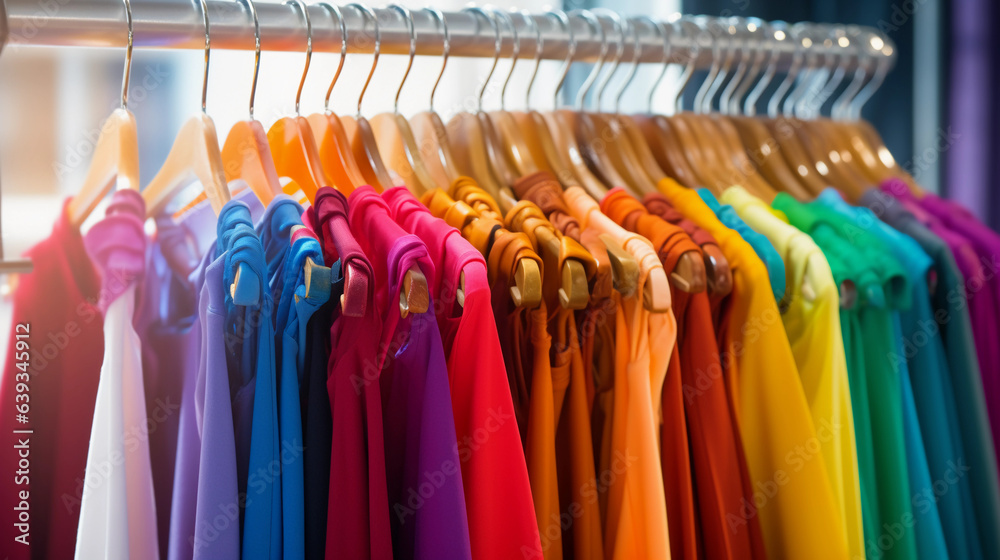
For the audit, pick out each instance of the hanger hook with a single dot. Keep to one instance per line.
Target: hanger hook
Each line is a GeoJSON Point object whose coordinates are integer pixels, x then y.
{"type": "Point", "coordinates": [563, 20]}
{"type": "Point", "coordinates": [883, 51]}
{"type": "Point", "coordinates": [793, 71]}
{"type": "Point", "coordinates": [256, 47]}
{"type": "Point", "coordinates": [309, 48]}
{"type": "Point", "coordinates": [127, 73]}
{"type": "Point", "coordinates": [208, 51]}
{"type": "Point", "coordinates": [732, 50]}
{"type": "Point", "coordinates": [808, 103]}
{"type": "Point", "coordinates": [616, 20]}
{"type": "Point", "coordinates": [713, 72]}
{"type": "Point", "coordinates": [775, 35]}
{"type": "Point", "coordinates": [597, 29]}
{"type": "Point", "coordinates": [368, 13]}
{"type": "Point", "coordinates": [446, 50]}
{"type": "Point", "coordinates": [759, 49]}
{"type": "Point", "coordinates": [339, 15]}
{"type": "Point", "coordinates": [408, 17]}
{"type": "Point", "coordinates": [515, 54]}
{"type": "Point", "coordinates": [539, 45]}
{"type": "Point", "coordinates": [839, 109]}
{"type": "Point", "coordinates": [810, 71]}
{"type": "Point", "coordinates": [633, 65]}
{"type": "Point", "coordinates": [664, 62]}
{"type": "Point", "coordinates": [747, 53]}
{"type": "Point", "coordinates": [844, 56]}
{"type": "Point", "coordinates": [685, 24]}
{"type": "Point", "coordinates": [497, 44]}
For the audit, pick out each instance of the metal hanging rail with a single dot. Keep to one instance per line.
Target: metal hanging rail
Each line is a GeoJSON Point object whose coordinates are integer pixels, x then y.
{"type": "Point", "coordinates": [178, 24]}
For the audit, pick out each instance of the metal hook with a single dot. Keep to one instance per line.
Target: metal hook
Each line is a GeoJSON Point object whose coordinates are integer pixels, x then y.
{"type": "Point", "coordinates": [616, 20]}
{"type": "Point", "coordinates": [760, 55]}
{"type": "Point", "coordinates": [633, 66]}
{"type": "Point", "coordinates": [730, 47]}
{"type": "Point", "coordinates": [838, 74]}
{"type": "Point", "coordinates": [446, 50]}
{"type": "Point", "coordinates": [840, 105]}
{"type": "Point", "coordinates": [810, 102]}
{"type": "Point", "coordinates": [309, 48]}
{"type": "Point", "coordinates": [539, 46]}
{"type": "Point", "coordinates": [514, 55]}
{"type": "Point", "coordinates": [746, 52]}
{"type": "Point", "coordinates": [563, 19]}
{"type": "Point", "coordinates": [777, 35]}
{"type": "Point", "coordinates": [713, 72]}
{"type": "Point", "coordinates": [127, 74]}
{"type": "Point", "coordinates": [881, 47]}
{"type": "Point", "coordinates": [685, 24]}
{"type": "Point", "coordinates": [208, 50]}
{"type": "Point", "coordinates": [370, 14]}
{"type": "Point", "coordinates": [810, 71]}
{"type": "Point", "coordinates": [496, 47]}
{"type": "Point", "coordinates": [335, 11]}
{"type": "Point", "coordinates": [413, 50]}
{"type": "Point", "coordinates": [665, 61]}
{"type": "Point", "coordinates": [256, 47]}
{"type": "Point", "coordinates": [786, 84]}
{"type": "Point", "coordinates": [595, 25]}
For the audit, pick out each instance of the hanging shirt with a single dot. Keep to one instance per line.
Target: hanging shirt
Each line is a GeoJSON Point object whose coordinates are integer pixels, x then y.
{"type": "Point", "coordinates": [799, 515]}
{"type": "Point", "coordinates": [419, 429]}
{"type": "Point", "coordinates": [983, 286]}
{"type": "Point", "coordinates": [899, 465]}
{"type": "Point", "coordinates": [760, 243]}
{"type": "Point", "coordinates": [933, 392]}
{"type": "Point", "coordinates": [358, 512]}
{"type": "Point", "coordinates": [118, 511]}
{"type": "Point", "coordinates": [57, 304]}
{"type": "Point", "coordinates": [574, 461]}
{"type": "Point", "coordinates": [494, 472]}
{"type": "Point", "coordinates": [952, 314]}
{"type": "Point", "coordinates": [812, 323]}
{"type": "Point", "coordinates": [636, 518]}
{"type": "Point", "coordinates": [695, 389]}
{"type": "Point", "coordinates": [188, 246]}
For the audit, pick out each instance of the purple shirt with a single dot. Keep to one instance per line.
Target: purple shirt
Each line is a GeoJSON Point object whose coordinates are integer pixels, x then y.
{"type": "Point", "coordinates": [178, 266]}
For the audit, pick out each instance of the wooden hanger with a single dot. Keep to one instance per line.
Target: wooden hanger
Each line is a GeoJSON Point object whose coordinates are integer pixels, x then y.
{"type": "Point", "coordinates": [291, 138]}
{"type": "Point", "coordinates": [195, 154]}
{"type": "Point", "coordinates": [359, 130]}
{"type": "Point", "coordinates": [587, 129]}
{"type": "Point", "coordinates": [116, 154]}
{"type": "Point", "coordinates": [414, 297]}
{"type": "Point", "coordinates": [511, 142]}
{"type": "Point", "coordinates": [333, 146]}
{"type": "Point", "coordinates": [246, 154]}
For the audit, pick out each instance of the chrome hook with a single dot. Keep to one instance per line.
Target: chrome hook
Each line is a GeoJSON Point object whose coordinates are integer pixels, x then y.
{"type": "Point", "coordinates": [446, 50]}
{"type": "Point", "coordinates": [563, 20]}
{"type": "Point", "coordinates": [408, 17]}
{"type": "Point", "coordinates": [496, 47]}
{"type": "Point", "coordinates": [256, 48]}
{"type": "Point", "coordinates": [596, 26]}
{"type": "Point", "coordinates": [370, 14]}
{"type": "Point", "coordinates": [309, 49]}
{"type": "Point", "coordinates": [335, 11]}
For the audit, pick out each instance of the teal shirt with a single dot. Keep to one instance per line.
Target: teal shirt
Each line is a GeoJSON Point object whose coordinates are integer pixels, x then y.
{"type": "Point", "coordinates": [761, 244]}
{"type": "Point", "coordinates": [933, 393]}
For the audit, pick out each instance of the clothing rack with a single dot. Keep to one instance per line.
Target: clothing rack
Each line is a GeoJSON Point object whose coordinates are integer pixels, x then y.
{"type": "Point", "coordinates": [175, 24]}
{"type": "Point", "coordinates": [695, 41]}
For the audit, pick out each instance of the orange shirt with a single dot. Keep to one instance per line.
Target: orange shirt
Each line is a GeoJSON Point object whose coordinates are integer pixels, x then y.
{"type": "Point", "coordinates": [792, 494]}
{"type": "Point", "coordinates": [636, 512]}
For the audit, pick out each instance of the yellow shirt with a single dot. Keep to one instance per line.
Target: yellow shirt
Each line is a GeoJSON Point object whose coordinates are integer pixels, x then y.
{"type": "Point", "coordinates": [799, 517]}
{"type": "Point", "coordinates": [812, 323]}
{"type": "Point", "coordinates": [636, 513]}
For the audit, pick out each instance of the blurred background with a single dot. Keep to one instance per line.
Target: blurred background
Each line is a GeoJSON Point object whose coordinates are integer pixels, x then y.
{"type": "Point", "coordinates": [936, 110]}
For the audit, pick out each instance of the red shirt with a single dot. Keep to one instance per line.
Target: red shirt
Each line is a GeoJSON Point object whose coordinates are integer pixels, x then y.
{"type": "Point", "coordinates": [57, 300]}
